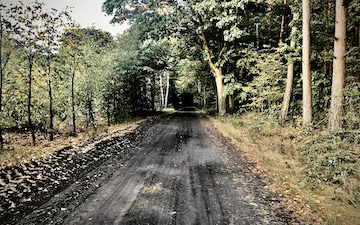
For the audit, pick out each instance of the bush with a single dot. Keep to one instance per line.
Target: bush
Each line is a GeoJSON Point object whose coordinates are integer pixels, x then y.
{"type": "Point", "coordinates": [329, 160]}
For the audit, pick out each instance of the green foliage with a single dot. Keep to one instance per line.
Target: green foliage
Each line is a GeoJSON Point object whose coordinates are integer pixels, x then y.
{"type": "Point", "coordinates": [329, 160]}
{"type": "Point", "coordinates": [265, 90]}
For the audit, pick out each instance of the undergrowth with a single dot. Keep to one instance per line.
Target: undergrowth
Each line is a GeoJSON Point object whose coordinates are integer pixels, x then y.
{"type": "Point", "coordinates": [321, 168]}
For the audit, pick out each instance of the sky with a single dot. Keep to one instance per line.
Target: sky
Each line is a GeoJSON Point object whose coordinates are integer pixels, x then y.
{"type": "Point", "coordinates": [85, 12]}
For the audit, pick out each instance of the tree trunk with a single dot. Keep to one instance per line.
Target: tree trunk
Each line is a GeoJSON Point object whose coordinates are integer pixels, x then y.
{"type": "Point", "coordinates": [339, 69]}
{"type": "Point", "coordinates": [161, 93]}
{"type": "Point", "coordinates": [108, 111]}
{"type": "Point", "coordinates": [307, 95]}
{"type": "Point", "coordinates": [30, 124]}
{"type": "Point", "coordinates": [220, 89]}
{"type": "Point", "coordinates": [153, 92]}
{"type": "Point", "coordinates": [204, 98]}
{"type": "Point", "coordinates": [231, 103]}
{"type": "Point", "coordinates": [257, 36]}
{"type": "Point", "coordinates": [167, 90]}
{"type": "Point", "coordinates": [51, 111]}
{"type": "Point", "coordinates": [290, 79]}
{"type": "Point", "coordinates": [217, 72]}
{"type": "Point", "coordinates": [282, 28]}
{"type": "Point", "coordinates": [90, 109]}
{"type": "Point", "coordinates": [73, 101]}
{"type": "Point", "coordinates": [114, 110]}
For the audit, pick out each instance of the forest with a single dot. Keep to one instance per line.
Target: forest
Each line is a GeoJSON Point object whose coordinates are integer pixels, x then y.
{"type": "Point", "coordinates": [284, 72]}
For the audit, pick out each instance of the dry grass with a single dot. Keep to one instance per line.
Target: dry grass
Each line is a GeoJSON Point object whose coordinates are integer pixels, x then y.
{"type": "Point", "coordinates": [276, 149]}
{"type": "Point", "coordinates": [18, 148]}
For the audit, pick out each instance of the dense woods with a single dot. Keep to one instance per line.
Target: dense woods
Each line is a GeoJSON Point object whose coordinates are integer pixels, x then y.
{"type": "Point", "coordinates": [294, 62]}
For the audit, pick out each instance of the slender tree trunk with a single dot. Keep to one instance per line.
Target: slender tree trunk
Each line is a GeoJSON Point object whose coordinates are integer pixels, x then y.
{"type": "Point", "coordinates": [257, 36]}
{"type": "Point", "coordinates": [73, 101]}
{"type": "Point", "coordinates": [51, 111]}
{"type": "Point", "coordinates": [339, 69]}
{"type": "Point", "coordinates": [161, 93]}
{"type": "Point", "coordinates": [199, 90]}
{"type": "Point", "coordinates": [108, 111]}
{"type": "Point", "coordinates": [167, 90]}
{"type": "Point", "coordinates": [153, 92]}
{"type": "Point", "coordinates": [290, 78]}
{"type": "Point", "coordinates": [282, 28]}
{"type": "Point", "coordinates": [307, 95]}
{"type": "Point", "coordinates": [231, 103]}
{"type": "Point", "coordinates": [114, 110]}
{"type": "Point", "coordinates": [30, 124]}
{"type": "Point", "coordinates": [204, 98]}
{"type": "Point", "coordinates": [90, 108]}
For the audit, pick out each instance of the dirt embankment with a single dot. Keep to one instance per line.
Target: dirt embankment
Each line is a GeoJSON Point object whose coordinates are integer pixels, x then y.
{"type": "Point", "coordinates": [25, 187]}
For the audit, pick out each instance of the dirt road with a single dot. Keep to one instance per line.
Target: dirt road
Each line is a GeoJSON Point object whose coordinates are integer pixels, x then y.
{"type": "Point", "coordinates": [181, 172]}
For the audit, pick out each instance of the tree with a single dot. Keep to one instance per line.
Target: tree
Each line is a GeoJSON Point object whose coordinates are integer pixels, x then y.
{"type": "Point", "coordinates": [52, 21]}
{"type": "Point", "coordinates": [222, 30]}
{"type": "Point", "coordinates": [28, 16]}
{"type": "Point", "coordinates": [70, 42]}
{"type": "Point", "coordinates": [307, 93]}
{"type": "Point", "coordinates": [339, 70]}
{"type": "Point", "coordinates": [290, 73]}
{"type": "Point", "coordinates": [5, 27]}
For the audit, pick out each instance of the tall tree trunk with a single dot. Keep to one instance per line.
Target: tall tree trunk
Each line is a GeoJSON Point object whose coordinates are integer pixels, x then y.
{"type": "Point", "coordinates": [290, 78]}
{"type": "Point", "coordinates": [73, 100]}
{"type": "Point", "coordinates": [282, 28]}
{"type": "Point", "coordinates": [161, 93]}
{"type": "Point", "coordinates": [30, 124]}
{"type": "Point", "coordinates": [167, 90]}
{"type": "Point", "coordinates": [339, 69]}
{"type": "Point", "coordinates": [51, 111]}
{"type": "Point", "coordinates": [307, 95]}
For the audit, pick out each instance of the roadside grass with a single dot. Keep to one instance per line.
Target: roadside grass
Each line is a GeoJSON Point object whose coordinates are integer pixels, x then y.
{"type": "Point", "coordinates": [18, 148]}
{"type": "Point", "coordinates": [319, 168]}
{"type": "Point", "coordinates": [168, 110]}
